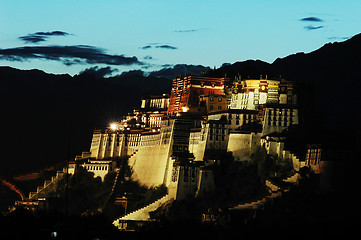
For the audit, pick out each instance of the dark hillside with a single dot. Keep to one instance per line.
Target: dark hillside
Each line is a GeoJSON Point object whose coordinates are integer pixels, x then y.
{"type": "Point", "coordinates": [42, 113]}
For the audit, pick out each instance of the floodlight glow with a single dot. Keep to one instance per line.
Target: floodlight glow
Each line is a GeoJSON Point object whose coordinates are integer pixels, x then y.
{"type": "Point", "coordinates": [113, 126]}
{"type": "Point", "coordinates": [185, 109]}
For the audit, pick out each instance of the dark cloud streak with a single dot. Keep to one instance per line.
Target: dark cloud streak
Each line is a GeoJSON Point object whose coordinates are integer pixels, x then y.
{"type": "Point", "coordinates": [53, 33]}
{"type": "Point", "coordinates": [157, 45]}
{"type": "Point", "coordinates": [98, 72]}
{"type": "Point", "coordinates": [342, 38]}
{"type": "Point", "coordinates": [186, 31]}
{"type": "Point", "coordinates": [310, 27]}
{"type": "Point", "coordinates": [166, 47]}
{"type": "Point", "coordinates": [170, 71]}
{"type": "Point", "coordinates": [68, 55]}
{"type": "Point", "coordinates": [311, 19]}
{"type": "Point", "coordinates": [41, 36]}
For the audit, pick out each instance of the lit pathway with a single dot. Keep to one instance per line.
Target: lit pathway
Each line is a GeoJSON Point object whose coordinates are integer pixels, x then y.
{"type": "Point", "coordinates": [275, 192]}
{"type": "Point", "coordinates": [142, 214]}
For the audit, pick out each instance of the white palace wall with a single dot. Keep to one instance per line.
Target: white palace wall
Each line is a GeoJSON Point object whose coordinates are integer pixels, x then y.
{"type": "Point", "coordinates": [243, 144]}
{"type": "Point", "coordinates": [151, 163]}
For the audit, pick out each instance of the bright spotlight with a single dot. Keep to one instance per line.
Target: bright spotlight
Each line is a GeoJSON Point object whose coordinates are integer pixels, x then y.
{"type": "Point", "coordinates": [113, 126]}
{"type": "Point", "coordinates": [185, 109]}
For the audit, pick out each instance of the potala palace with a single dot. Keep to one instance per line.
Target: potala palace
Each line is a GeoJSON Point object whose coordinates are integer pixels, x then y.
{"type": "Point", "coordinates": [173, 139]}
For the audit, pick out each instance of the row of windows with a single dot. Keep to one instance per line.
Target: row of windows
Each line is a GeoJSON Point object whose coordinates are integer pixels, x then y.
{"type": "Point", "coordinates": [175, 174]}
{"type": "Point", "coordinates": [180, 148]}
{"type": "Point", "coordinates": [217, 130]}
{"type": "Point", "coordinates": [244, 96]}
{"type": "Point", "coordinates": [285, 112]}
{"type": "Point", "coordinates": [313, 156]}
{"type": "Point", "coordinates": [96, 168]}
{"type": "Point", "coordinates": [212, 99]}
{"type": "Point", "coordinates": [245, 116]}
{"type": "Point", "coordinates": [217, 137]}
{"type": "Point", "coordinates": [189, 174]}
{"type": "Point", "coordinates": [279, 123]}
{"type": "Point", "coordinates": [150, 143]}
{"type": "Point", "coordinates": [211, 107]}
{"type": "Point", "coordinates": [133, 144]}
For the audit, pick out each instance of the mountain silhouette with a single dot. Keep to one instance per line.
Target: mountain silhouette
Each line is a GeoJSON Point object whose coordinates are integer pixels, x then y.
{"type": "Point", "coordinates": [328, 80]}
{"type": "Point", "coordinates": [47, 118]}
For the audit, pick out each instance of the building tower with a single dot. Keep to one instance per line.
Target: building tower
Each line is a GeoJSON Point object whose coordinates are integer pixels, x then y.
{"type": "Point", "coordinates": [186, 91]}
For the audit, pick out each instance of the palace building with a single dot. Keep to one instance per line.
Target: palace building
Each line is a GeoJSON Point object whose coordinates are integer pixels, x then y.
{"type": "Point", "coordinates": [252, 93]}
{"type": "Point", "coordinates": [176, 139]}
{"type": "Point", "coordinates": [186, 91]}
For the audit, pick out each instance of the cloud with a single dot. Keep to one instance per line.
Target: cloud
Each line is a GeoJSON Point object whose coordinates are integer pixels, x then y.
{"type": "Point", "coordinates": [158, 45]}
{"type": "Point", "coordinates": [41, 36]}
{"type": "Point", "coordinates": [53, 33]}
{"type": "Point", "coordinates": [132, 73]}
{"type": "Point", "coordinates": [170, 72]}
{"type": "Point", "coordinates": [338, 38]}
{"type": "Point", "coordinates": [98, 72]}
{"type": "Point", "coordinates": [148, 57]}
{"type": "Point", "coordinates": [186, 31]}
{"type": "Point", "coordinates": [146, 47]}
{"type": "Point", "coordinates": [311, 19]}
{"type": "Point", "coordinates": [166, 47]}
{"type": "Point", "coordinates": [310, 27]}
{"type": "Point", "coordinates": [68, 55]}
{"type": "Point", "coordinates": [226, 64]}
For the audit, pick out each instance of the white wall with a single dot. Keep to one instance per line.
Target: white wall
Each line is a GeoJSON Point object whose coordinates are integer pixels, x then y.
{"type": "Point", "coordinates": [151, 163]}
{"type": "Point", "coordinates": [242, 145]}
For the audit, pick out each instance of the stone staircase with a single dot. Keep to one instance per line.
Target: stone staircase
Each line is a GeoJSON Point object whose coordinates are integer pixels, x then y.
{"type": "Point", "coordinates": [142, 214]}
{"type": "Point", "coordinates": [42, 190]}
{"type": "Point", "coordinates": [294, 179]}
{"type": "Point", "coordinates": [274, 192]}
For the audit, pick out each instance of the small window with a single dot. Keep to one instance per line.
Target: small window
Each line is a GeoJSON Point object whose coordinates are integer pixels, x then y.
{"type": "Point", "coordinates": [219, 99]}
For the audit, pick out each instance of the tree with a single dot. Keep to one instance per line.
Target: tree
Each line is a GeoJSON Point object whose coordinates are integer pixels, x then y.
{"type": "Point", "coordinates": [84, 191]}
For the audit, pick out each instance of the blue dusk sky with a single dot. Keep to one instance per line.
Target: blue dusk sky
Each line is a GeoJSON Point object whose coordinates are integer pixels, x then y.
{"type": "Point", "coordinates": [70, 36]}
